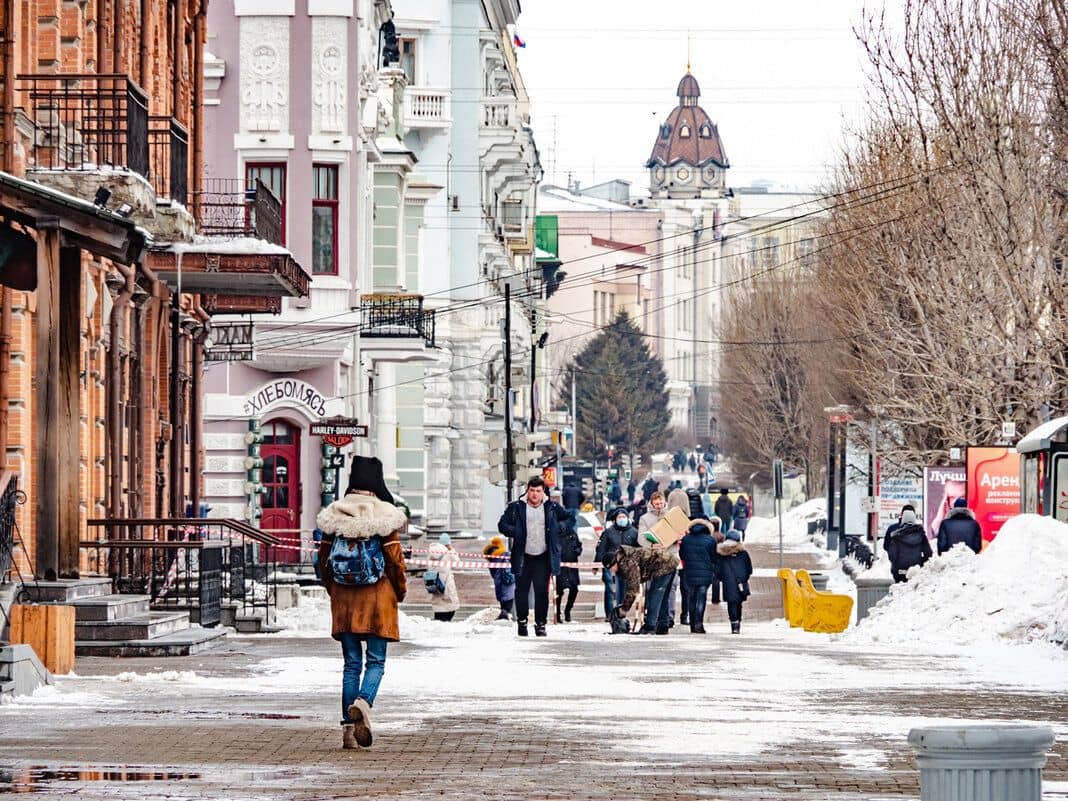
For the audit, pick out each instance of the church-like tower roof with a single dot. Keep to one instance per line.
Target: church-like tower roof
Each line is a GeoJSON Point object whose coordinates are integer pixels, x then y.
{"type": "Point", "coordinates": [688, 135]}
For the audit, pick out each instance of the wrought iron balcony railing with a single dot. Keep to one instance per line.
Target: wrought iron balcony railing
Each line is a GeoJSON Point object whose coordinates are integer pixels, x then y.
{"type": "Point", "coordinates": [168, 144]}
{"type": "Point", "coordinates": [228, 207]}
{"type": "Point", "coordinates": [397, 316]}
{"type": "Point", "coordinates": [86, 121]}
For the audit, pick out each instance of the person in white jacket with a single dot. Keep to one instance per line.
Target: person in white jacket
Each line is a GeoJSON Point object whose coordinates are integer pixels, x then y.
{"type": "Point", "coordinates": [442, 559]}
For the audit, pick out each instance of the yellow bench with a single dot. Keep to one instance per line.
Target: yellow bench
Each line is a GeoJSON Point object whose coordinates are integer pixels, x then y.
{"type": "Point", "coordinates": [825, 612]}
{"type": "Point", "coordinates": [793, 604]}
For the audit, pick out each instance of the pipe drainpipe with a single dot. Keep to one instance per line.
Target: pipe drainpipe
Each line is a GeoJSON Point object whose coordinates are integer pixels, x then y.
{"type": "Point", "coordinates": [116, 326]}
{"type": "Point", "coordinates": [196, 408]}
{"type": "Point", "coordinates": [8, 166]}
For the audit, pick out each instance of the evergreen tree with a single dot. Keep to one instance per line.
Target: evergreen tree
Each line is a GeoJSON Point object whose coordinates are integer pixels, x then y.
{"type": "Point", "coordinates": [621, 392]}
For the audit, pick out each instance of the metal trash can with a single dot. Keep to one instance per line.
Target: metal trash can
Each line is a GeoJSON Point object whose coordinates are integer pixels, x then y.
{"type": "Point", "coordinates": [870, 590]}
{"type": "Point", "coordinates": [819, 581]}
{"type": "Point", "coordinates": [985, 762]}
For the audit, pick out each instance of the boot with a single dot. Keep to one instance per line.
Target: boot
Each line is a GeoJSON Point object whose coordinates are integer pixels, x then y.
{"type": "Point", "coordinates": [699, 629]}
{"type": "Point", "coordinates": [685, 620]}
{"type": "Point", "coordinates": [556, 619]}
{"type": "Point", "coordinates": [662, 629]}
{"type": "Point", "coordinates": [736, 626]}
{"type": "Point", "coordinates": [360, 714]}
{"type": "Point", "coordinates": [539, 630]}
{"type": "Point", "coordinates": [647, 630]}
{"type": "Point", "coordinates": [567, 616]}
{"type": "Point", "coordinates": [348, 738]}
{"type": "Point", "coordinates": [522, 628]}
{"type": "Point", "coordinates": [503, 616]}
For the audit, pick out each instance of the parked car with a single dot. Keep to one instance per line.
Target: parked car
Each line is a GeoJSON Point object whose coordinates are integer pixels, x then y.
{"type": "Point", "coordinates": [589, 526]}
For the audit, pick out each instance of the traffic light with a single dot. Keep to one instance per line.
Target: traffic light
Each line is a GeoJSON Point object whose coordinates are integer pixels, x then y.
{"type": "Point", "coordinates": [253, 471]}
{"type": "Point", "coordinates": [587, 487]}
{"type": "Point", "coordinates": [328, 474]}
{"type": "Point", "coordinates": [497, 472]}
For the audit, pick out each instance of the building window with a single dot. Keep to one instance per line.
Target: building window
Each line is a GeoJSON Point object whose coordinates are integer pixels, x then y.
{"type": "Point", "coordinates": [273, 176]}
{"type": "Point", "coordinates": [684, 132]}
{"type": "Point", "coordinates": [512, 215]}
{"type": "Point", "coordinates": [611, 308]}
{"type": "Point", "coordinates": [805, 252]}
{"type": "Point", "coordinates": [769, 252]}
{"type": "Point", "coordinates": [665, 131]}
{"type": "Point", "coordinates": [324, 219]}
{"type": "Point", "coordinates": [407, 59]}
{"type": "Point", "coordinates": [706, 132]}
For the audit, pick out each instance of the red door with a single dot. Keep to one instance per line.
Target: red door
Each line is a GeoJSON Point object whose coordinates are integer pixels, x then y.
{"type": "Point", "coordinates": [281, 479]}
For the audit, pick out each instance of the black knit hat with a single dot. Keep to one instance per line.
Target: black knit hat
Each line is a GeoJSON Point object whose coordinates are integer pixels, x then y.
{"type": "Point", "coordinates": [366, 476]}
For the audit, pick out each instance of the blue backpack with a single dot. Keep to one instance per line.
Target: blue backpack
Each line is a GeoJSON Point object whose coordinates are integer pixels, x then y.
{"type": "Point", "coordinates": [356, 563]}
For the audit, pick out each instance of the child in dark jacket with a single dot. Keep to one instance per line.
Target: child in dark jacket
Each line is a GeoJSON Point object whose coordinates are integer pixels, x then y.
{"type": "Point", "coordinates": [503, 580]}
{"type": "Point", "coordinates": [734, 568]}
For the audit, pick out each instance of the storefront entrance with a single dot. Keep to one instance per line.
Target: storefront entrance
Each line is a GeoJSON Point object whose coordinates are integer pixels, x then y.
{"type": "Point", "coordinates": [281, 480]}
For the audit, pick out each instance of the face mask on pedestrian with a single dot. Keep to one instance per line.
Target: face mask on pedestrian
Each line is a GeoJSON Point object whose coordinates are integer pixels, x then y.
{"type": "Point", "coordinates": [622, 521]}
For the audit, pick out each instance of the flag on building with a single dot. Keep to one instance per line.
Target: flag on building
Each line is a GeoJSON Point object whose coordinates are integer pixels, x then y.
{"type": "Point", "coordinates": [518, 42]}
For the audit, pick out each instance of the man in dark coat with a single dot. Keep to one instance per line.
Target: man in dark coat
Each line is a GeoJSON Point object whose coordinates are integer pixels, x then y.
{"type": "Point", "coordinates": [907, 546]}
{"type": "Point", "coordinates": [724, 509]}
{"type": "Point", "coordinates": [649, 486]}
{"type": "Point", "coordinates": [960, 526]}
{"type": "Point", "coordinates": [533, 527]}
{"type": "Point", "coordinates": [734, 568]}
{"type": "Point", "coordinates": [615, 492]}
{"type": "Point", "coordinates": [632, 490]}
{"type": "Point", "coordinates": [573, 497]}
{"type": "Point", "coordinates": [638, 565]}
{"type": "Point", "coordinates": [697, 550]}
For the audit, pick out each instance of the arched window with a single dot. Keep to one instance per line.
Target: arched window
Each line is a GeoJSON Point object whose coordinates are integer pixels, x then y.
{"type": "Point", "coordinates": [665, 131]}
{"type": "Point", "coordinates": [684, 132]}
{"type": "Point", "coordinates": [706, 131]}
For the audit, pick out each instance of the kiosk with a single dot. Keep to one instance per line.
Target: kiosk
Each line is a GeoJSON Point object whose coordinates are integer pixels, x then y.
{"type": "Point", "coordinates": [1044, 470]}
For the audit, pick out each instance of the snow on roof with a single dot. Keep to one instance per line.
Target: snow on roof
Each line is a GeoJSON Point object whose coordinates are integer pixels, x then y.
{"type": "Point", "coordinates": [1039, 438]}
{"type": "Point", "coordinates": [556, 199]}
{"type": "Point", "coordinates": [229, 245]}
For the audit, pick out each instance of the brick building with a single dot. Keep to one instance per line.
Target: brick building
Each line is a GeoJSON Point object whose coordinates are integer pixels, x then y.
{"type": "Point", "coordinates": [108, 284]}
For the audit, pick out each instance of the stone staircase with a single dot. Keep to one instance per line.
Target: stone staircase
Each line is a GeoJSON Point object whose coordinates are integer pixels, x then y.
{"type": "Point", "coordinates": [108, 624]}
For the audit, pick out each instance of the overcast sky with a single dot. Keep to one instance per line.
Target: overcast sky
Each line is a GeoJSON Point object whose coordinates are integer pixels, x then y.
{"type": "Point", "coordinates": [779, 78]}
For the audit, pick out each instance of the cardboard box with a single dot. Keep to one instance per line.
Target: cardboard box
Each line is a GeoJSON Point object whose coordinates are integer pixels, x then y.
{"type": "Point", "coordinates": [671, 527]}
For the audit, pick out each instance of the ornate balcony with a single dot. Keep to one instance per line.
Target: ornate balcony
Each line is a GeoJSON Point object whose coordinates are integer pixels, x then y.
{"type": "Point", "coordinates": [396, 317]}
{"type": "Point", "coordinates": [230, 208]}
{"type": "Point", "coordinates": [427, 108]}
{"type": "Point", "coordinates": [168, 150]}
{"type": "Point", "coordinates": [87, 122]}
{"type": "Point", "coordinates": [498, 113]}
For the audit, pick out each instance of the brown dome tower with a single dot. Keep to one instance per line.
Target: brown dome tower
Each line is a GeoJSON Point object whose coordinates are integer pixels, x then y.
{"type": "Point", "coordinates": [687, 159]}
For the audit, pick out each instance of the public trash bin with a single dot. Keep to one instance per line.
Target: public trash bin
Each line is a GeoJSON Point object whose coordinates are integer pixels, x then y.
{"type": "Point", "coordinates": [870, 590]}
{"type": "Point", "coordinates": [984, 762]}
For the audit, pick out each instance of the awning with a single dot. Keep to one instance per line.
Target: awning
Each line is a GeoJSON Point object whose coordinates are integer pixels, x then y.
{"type": "Point", "coordinates": [1039, 439]}
{"type": "Point", "coordinates": [238, 266]}
{"type": "Point", "coordinates": [92, 228]}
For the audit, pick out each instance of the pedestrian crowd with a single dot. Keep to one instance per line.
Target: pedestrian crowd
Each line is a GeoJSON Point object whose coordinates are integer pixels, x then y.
{"type": "Point", "coordinates": [907, 544]}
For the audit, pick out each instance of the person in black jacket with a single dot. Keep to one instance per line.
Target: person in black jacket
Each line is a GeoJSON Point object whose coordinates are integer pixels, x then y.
{"type": "Point", "coordinates": [724, 509]}
{"type": "Point", "coordinates": [570, 551]}
{"type": "Point", "coordinates": [535, 551]}
{"type": "Point", "coordinates": [960, 526]}
{"type": "Point", "coordinates": [618, 531]}
{"type": "Point", "coordinates": [697, 550]}
{"type": "Point", "coordinates": [573, 497]}
{"type": "Point", "coordinates": [907, 546]}
{"type": "Point", "coordinates": [908, 507]}
{"type": "Point", "coordinates": [734, 568]}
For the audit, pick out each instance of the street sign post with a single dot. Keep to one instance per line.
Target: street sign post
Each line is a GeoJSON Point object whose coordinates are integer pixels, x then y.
{"type": "Point", "coordinates": [776, 469]}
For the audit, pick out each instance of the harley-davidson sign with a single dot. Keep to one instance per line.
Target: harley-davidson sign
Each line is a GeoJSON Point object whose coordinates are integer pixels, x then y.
{"type": "Point", "coordinates": [337, 431]}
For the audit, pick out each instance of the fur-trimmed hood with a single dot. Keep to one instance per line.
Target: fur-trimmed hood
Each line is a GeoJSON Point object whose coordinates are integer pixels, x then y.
{"type": "Point", "coordinates": [729, 548]}
{"type": "Point", "coordinates": [358, 517]}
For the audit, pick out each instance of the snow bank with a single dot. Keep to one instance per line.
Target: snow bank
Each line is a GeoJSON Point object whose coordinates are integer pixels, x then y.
{"type": "Point", "coordinates": [1015, 591]}
{"type": "Point", "coordinates": [795, 536]}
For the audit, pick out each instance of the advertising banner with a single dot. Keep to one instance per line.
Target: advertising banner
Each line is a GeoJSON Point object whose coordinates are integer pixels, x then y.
{"type": "Point", "coordinates": [993, 487]}
{"type": "Point", "coordinates": [942, 486]}
{"type": "Point", "coordinates": [896, 491]}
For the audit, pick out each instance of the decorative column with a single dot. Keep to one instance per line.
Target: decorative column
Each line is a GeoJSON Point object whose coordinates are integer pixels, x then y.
{"type": "Point", "coordinates": [385, 417]}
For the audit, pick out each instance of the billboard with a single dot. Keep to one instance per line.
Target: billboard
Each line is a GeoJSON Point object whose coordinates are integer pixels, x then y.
{"type": "Point", "coordinates": [896, 491]}
{"type": "Point", "coordinates": [941, 487]}
{"type": "Point", "coordinates": [993, 487]}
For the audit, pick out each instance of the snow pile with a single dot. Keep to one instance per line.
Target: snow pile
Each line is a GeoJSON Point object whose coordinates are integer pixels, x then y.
{"type": "Point", "coordinates": [795, 536]}
{"type": "Point", "coordinates": [309, 618]}
{"type": "Point", "coordinates": [1015, 591]}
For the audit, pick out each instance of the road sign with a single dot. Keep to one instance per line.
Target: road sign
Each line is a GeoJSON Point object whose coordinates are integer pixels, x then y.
{"type": "Point", "coordinates": [548, 474]}
{"type": "Point", "coordinates": [231, 342]}
{"type": "Point", "coordinates": [869, 505]}
{"type": "Point", "coordinates": [338, 431]}
{"type": "Point", "coordinates": [778, 478]}
{"type": "Point", "coordinates": [1008, 430]}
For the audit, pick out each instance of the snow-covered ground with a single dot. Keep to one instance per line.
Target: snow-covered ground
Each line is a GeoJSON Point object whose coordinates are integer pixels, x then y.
{"type": "Point", "coordinates": [1014, 591]}
{"type": "Point", "coordinates": [795, 536]}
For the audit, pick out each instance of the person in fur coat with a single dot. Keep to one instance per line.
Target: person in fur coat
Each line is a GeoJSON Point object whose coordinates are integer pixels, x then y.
{"type": "Point", "coordinates": [735, 569]}
{"type": "Point", "coordinates": [364, 618]}
{"type": "Point", "coordinates": [442, 558]}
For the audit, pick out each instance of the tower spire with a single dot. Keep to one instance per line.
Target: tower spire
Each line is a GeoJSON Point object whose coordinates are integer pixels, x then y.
{"type": "Point", "coordinates": [687, 52]}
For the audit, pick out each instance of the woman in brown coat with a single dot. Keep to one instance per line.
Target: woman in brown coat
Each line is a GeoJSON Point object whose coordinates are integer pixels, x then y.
{"type": "Point", "coordinates": [364, 616]}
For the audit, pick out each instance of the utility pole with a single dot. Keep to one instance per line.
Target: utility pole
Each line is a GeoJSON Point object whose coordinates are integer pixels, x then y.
{"type": "Point", "coordinates": [574, 414]}
{"type": "Point", "coordinates": [533, 363]}
{"type": "Point", "coordinates": [509, 457]}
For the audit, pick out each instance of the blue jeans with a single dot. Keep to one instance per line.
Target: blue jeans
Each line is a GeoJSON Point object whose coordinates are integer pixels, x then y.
{"type": "Point", "coordinates": [656, 607]}
{"type": "Point", "coordinates": [352, 649]}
